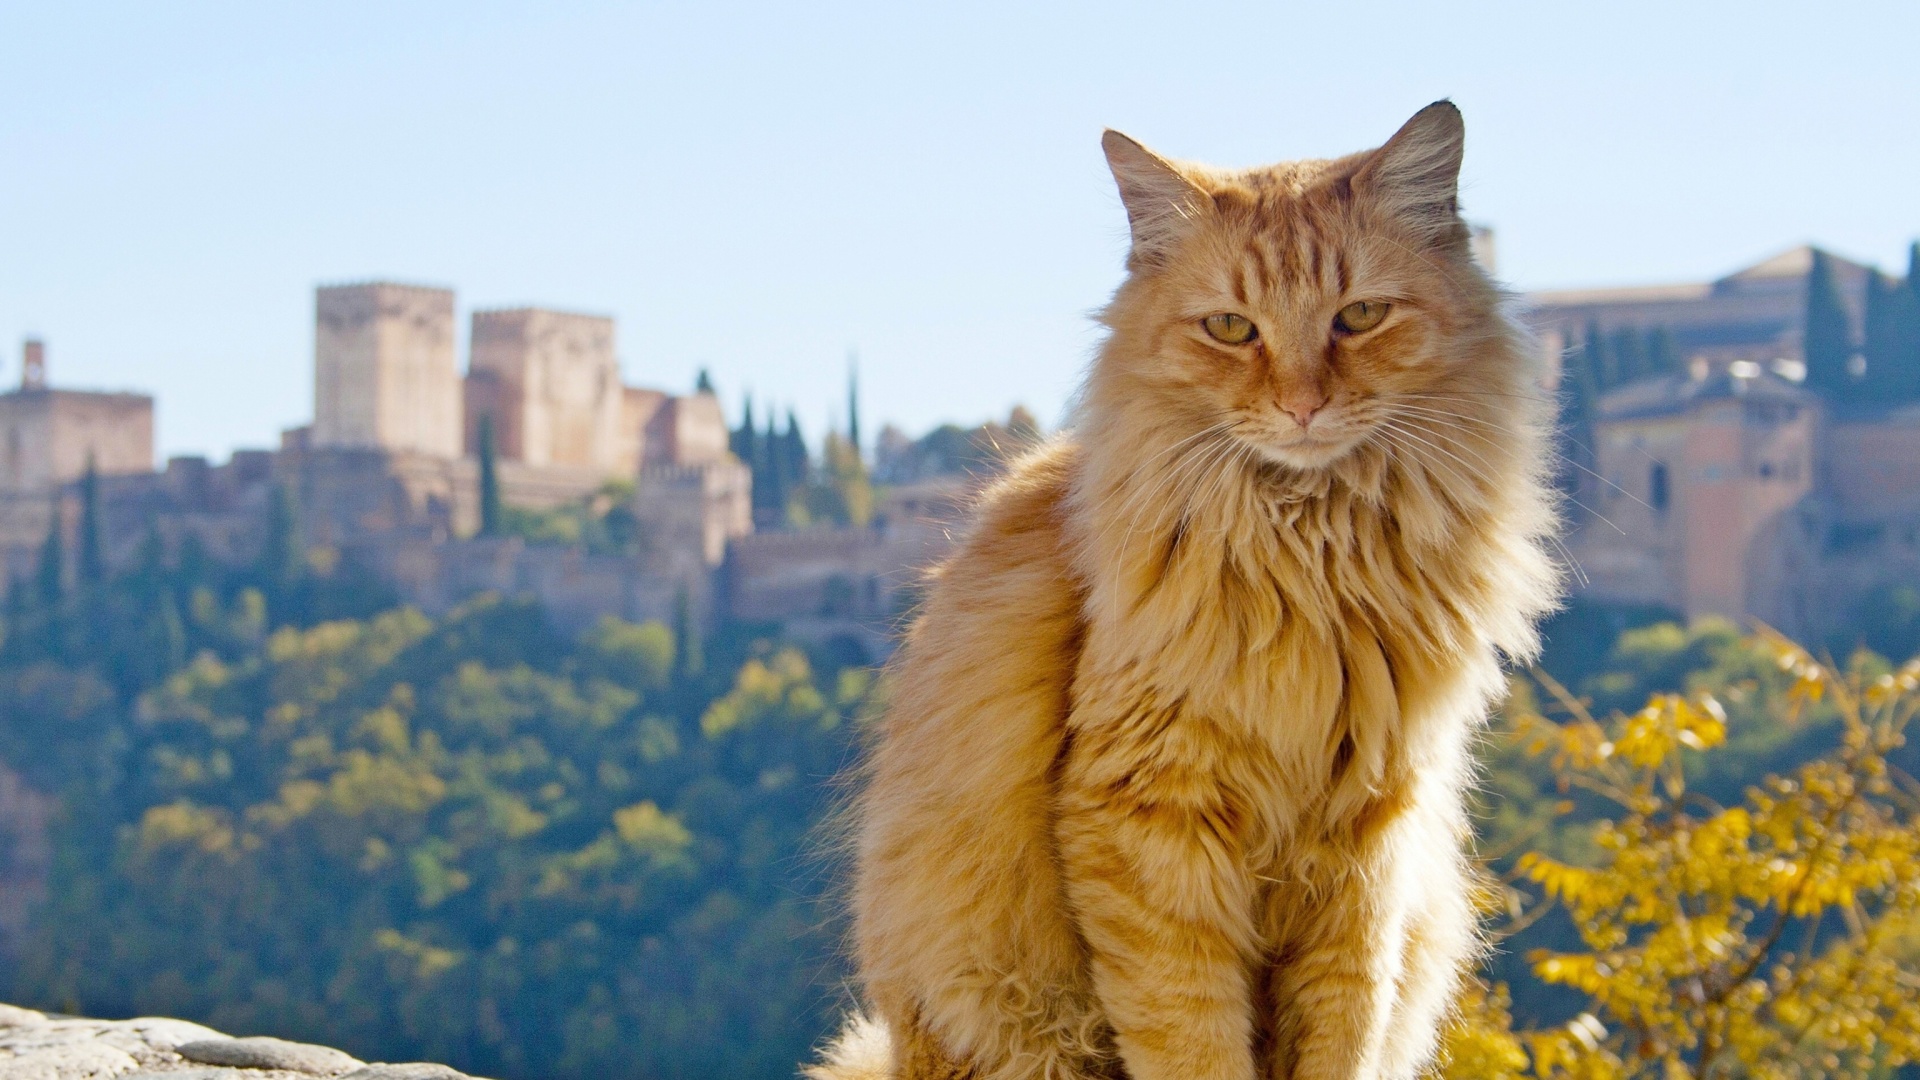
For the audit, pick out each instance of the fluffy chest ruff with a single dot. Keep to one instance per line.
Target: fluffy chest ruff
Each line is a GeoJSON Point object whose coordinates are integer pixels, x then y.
{"type": "Point", "coordinates": [1286, 662]}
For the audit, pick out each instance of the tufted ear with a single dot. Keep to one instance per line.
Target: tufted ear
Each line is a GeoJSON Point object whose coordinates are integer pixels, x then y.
{"type": "Point", "coordinates": [1159, 199]}
{"type": "Point", "coordinates": [1416, 175]}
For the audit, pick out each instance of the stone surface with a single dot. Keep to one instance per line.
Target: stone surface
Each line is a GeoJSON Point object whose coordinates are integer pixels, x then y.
{"type": "Point", "coordinates": [261, 1052]}
{"type": "Point", "coordinates": [14, 1016]}
{"type": "Point", "coordinates": [211, 1072]}
{"type": "Point", "coordinates": [35, 1046]}
{"type": "Point", "coordinates": [68, 1061]}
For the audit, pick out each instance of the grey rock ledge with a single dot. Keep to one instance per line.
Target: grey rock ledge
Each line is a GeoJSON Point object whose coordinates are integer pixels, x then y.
{"type": "Point", "coordinates": [36, 1046]}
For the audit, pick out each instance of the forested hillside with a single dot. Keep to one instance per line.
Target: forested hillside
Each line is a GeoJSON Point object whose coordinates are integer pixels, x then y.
{"type": "Point", "coordinates": [466, 839]}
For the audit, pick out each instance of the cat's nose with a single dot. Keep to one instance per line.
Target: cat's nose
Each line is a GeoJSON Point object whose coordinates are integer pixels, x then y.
{"type": "Point", "coordinates": [1303, 407]}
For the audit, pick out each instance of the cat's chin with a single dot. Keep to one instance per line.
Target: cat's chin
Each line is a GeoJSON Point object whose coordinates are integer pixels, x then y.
{"type": "Point", "coordinates": [1309, 454]}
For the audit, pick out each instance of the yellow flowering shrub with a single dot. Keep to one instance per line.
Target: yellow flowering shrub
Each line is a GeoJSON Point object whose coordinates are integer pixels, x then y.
{"type": "Point", "coordinates": [1770, 938]}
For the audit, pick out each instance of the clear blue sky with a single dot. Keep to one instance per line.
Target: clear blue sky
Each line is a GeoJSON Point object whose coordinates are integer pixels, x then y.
{"type": "Point", "coordinates": [757, 188]}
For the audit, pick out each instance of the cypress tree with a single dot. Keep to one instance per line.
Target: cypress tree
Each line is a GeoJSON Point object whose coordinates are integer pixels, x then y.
{"type": "Point", "coordinates": [1579, 395]}
{"type": "Point", "coordinates": [1599, 358]}
{"type": "Point", "coordinates": [1630, 358]}
{"type": "Point", "coordinates": [1907, 331]}
{"type": "Point", "coordinates": [768, 459]}
{"type": "Point", "coordinates": [195, 567]}
{"type": "Point", "coordinates": [799, 465]}
{"type": "Point", "coordinates": [742, 438]}
{"type": "Point", "coordinates": [92, 562]}
{"type": "Point", "coordinates": [171, 633]}
{"type": "Point", "coordinates": [280, 556]}
{"type": "Point", "coordinates": [1662, 358]}
{"type": "Point", "coordinates": [689, 659]}
{"type": "Point", "coordinates": [19, 599]}
{"type": "Point", "coordinates": [796, 469]}
{"type": "Point", "coordinates": [489, 480]}
{"type": "Point", "coordinates": [1884, 345]}
{"type": "Point", "coordinates": [153, 555]}
{"type": "Point", "coordinates": [1827, 338]}
{"type": "Point", "coordinates": [853, 403]}
{"type": "Point", "coordinates": [52, 569]}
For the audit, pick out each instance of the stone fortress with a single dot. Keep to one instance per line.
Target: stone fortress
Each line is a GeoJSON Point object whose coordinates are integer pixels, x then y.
{"type": "Point", "coordinates": [1727, 487]}
{"type": "Point", "coordinates": [1717, 485]}
{"type": "Point", "coordinates": [387, 475]}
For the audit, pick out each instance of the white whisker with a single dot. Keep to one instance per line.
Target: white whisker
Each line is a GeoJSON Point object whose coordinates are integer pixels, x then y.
{"type": "Point", "coordinates": [1441, 415]}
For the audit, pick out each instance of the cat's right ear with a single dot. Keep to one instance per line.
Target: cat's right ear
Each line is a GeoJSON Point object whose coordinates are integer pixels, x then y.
{"type": "Point", "coordinates": [1416, 175]}
{"type": "Point", "coordinates": [1159, 199]}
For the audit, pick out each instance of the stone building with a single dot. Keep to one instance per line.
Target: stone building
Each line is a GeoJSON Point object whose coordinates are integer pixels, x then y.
{"type": "Point", "coordinates": [48, 436]}
{"type": "Point", "coordinates": [1701, 483]}
{"type": "Point", "coordinates": [550, 383]}
{"type": "Point", "coordinates": [384, 375]}
{"type": "Point", "coordinates": [384, 476]}
{"type": "Point", "coordinates": [1726, 487]}
{"type": "Point", "coordinates": [565, 426]}
{"type": "Point", "coordinates": [1753, 314]}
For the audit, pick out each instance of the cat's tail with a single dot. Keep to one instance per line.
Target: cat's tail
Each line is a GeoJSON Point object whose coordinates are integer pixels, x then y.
{"type": "Point", "coordinates": [862, 1051]}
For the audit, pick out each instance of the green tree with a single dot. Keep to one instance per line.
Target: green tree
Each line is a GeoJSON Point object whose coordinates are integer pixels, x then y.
{"type": "Point", "coordinates": [794, 469]}
{"type": "Point", "coordinates": [1891, 321]}
{"type": "Point", "coordinates": [689, 659]}
{"type": "Point", "coordinates": [281, 558]}
{"type": "Point", "coordinates": [744, 440]}
{"type": "Point", "coordinates": [772, 497]}
{"type": "Point", "coordinates": [1662, 357]}
{"type": "Point", "coordinates": [1828, 335]}
{"type": "Point", "coordinates": [1902, 349]}
{"type": "Point", "coordinates": [1600, 359]}
{"type": "Point", "coordinates": [1630, 355]}
{"type": "Point", "coordinates": [491, 518]}
{"type": "Point", "coordinates": [853, 402]}
{"type": "Point", "coordinates": [841, 493]}
{"type": "Point", "coordinates": [467, 839]}
{"type": "Point", "coordinates": [51, 575]}
{"type": "Point", "coordinates": [93, 566]}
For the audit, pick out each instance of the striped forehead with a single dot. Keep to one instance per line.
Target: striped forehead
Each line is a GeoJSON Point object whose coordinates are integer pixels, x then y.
{"type": "Point", "coordinates": [1283, 242]}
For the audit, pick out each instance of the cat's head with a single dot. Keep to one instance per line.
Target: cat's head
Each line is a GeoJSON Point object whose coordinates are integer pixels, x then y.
{"type": "Point", "coordinates": [1306, 309]}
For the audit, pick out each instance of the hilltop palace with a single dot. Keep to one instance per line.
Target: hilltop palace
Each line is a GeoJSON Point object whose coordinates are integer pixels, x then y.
{"type": "Point", "coordinates": [1717, 485]}
{"type": "Point", "coordinates": [387, 476]}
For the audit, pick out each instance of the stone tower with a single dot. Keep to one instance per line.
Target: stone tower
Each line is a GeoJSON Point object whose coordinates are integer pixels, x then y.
{"type": "Point", "coordinates": [384, 370]}
{"type": "Point", "coordinates": [551, 383]}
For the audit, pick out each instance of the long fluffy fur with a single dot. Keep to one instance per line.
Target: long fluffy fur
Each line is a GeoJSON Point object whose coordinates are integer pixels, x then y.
{"type": "Point", "coordinates": [1170, 782]}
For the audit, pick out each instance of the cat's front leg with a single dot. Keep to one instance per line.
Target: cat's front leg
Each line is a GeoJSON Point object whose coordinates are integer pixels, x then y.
{"type": "Point", "coordinates": [1336, 986]}
{"type": "Point", "coordinates": [1160, 891]}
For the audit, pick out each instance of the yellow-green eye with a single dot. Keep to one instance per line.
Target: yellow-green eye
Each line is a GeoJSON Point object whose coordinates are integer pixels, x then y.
{"type": "Point", "coordinates": [1230, 329]}
{"type": "Point", "coordinates": [1361, 316]}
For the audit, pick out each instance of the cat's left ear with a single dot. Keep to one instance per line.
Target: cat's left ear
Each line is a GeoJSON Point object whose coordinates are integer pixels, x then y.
{"type": "Point", "coordinates": [1416, 175]}
{"type": "Point", "coordinates": [1160, 200]}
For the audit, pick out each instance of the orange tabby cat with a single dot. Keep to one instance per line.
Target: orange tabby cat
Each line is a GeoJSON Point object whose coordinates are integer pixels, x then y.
{"type": "Point", "coordinates": [1170, 784]}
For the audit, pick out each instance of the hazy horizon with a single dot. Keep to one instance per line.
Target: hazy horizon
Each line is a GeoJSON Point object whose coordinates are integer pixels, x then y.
{"type": "Point", "coordinates": [757, 190]}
